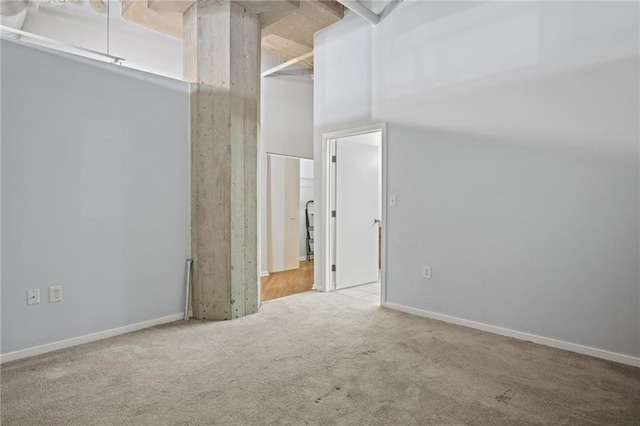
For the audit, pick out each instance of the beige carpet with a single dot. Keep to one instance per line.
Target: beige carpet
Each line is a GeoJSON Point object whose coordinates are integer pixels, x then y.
{"type": "Point", "coordinates": [366, 366]}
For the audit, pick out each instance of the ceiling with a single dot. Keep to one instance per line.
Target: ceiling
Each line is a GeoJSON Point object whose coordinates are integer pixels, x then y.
{"type": "Point", "coordinates": [287, 25]}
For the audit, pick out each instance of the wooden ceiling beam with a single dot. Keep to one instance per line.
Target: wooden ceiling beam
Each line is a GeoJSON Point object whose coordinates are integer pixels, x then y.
{"type": "Point", "coordinates": [287, 49]}
{"type": "Point", "coordinates": [287, 25]}
{"type": "Point", "coordinates": [138, 12]}
{"type": "Point", "coordinates": [170, 6]}
{"type": "Point", "coordinates": [292, 36]}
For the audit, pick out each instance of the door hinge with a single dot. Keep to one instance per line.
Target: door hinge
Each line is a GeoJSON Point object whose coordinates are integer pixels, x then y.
{"type": "Point", "coordinates": [334, 158]}
{"type": "Point", "coordinates": [333, 213]}
{"type": "Point", "coordinates": [333, 268]}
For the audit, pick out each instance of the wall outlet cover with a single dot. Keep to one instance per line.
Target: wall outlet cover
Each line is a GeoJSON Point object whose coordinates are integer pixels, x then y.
{"type": "Point", "coordinates": [426, 272]}
{"type": "Point", "coordinates": [55, 293]}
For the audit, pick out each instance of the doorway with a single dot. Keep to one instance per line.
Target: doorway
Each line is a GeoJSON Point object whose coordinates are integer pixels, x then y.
{"type": "Point", "coordinates": [287, 220]}
{"type": "Point", "coordinates": [355, 212]}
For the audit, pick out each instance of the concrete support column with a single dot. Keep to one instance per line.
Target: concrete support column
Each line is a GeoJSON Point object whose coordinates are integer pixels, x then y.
{"type": "Point", "coordinates": [222, 60]}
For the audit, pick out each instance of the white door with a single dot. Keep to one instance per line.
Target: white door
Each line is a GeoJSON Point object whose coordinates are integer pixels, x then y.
{"type": "Point", "coordinates": [283, 200]}
{"type": "Point", "coordinates": [357, 205]}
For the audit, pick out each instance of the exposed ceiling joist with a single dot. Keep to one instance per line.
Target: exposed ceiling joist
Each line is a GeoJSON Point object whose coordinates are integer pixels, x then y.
{"type": "Point", "coordinates": [292, 73]}
{"type": "Point", "coordinates": [166, 22]}
{"type": "Point", "coordinates": [292, 36]}
{"type": "Point", "coordinates": [286, 49]}
{"type": "Point", "coordinates": [287, 64]}
{"type": "Point", "coordinates": [170, 6]}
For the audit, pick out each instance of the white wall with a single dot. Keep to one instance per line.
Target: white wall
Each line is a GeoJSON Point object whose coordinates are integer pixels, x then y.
{"type": "Point", "coordinates": [286, 112]}
{"type": "Point", "coordinates": [95, 195]}
{"type": "Point", "coordinates": [286, 128]}
{"type": "Point", "coordinates": [341, 99]}
{"type": "Point", "coordinates": [143, 49]}
{"type": "Point", "coordinates": [513, 152]}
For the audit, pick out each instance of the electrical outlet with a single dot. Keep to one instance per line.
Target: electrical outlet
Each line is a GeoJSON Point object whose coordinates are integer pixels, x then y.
{"type": "Point", "coordinates": [33, 296]}
{"type": "Point", "coordinates": [426, 272]}
{"type": "Point", "coordinates": [55, 293]}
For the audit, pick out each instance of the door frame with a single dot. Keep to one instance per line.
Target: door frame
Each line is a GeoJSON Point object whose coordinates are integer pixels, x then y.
{"type": "Point", "coordinates": [328, 191]}
{"type": "Point", "coordinates": [262, 203]}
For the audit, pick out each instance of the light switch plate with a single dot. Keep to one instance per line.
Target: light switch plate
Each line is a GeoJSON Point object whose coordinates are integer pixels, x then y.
{"type": "Point", "coordinates": [392, 200]}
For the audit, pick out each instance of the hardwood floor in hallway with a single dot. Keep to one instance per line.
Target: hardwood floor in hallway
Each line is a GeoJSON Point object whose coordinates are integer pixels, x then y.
{"type": "Point", "coordinates": [286, 283]}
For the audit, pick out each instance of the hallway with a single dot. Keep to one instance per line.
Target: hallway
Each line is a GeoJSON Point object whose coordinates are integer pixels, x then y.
{"type": "Point", "coordinates": [286, 283]}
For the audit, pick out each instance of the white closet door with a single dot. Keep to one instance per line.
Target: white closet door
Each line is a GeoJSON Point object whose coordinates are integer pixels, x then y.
{"type": "Point", "coordinates": [283, 200]}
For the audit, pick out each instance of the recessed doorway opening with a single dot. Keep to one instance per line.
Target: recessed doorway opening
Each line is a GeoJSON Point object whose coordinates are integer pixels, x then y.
{"type": "Point", "coordinates": [288, 222]}
{"type": "Point", "coordinates": [355, 212]}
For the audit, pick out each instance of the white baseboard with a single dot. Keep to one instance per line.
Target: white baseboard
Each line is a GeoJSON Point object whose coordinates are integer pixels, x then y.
{"type": "Point", "coordinates": [572, 347]}
{"type": "Point", "coordinates": [264, 273]}
{"type": "Point", "coordinates": [74, 341]}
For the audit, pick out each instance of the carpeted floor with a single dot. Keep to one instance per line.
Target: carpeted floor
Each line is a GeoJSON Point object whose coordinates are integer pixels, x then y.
{"type": "Point", "coordinates": [317, 359]}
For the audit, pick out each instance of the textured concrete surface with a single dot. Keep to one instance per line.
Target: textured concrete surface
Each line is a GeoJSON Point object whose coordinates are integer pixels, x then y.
{"type": "Point", "coordinates": [367, 365]}
{"type": "Point", "coordinates": [221, 57]}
